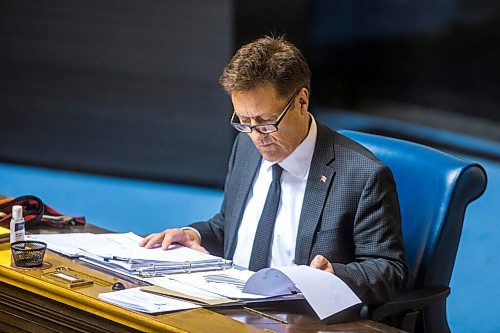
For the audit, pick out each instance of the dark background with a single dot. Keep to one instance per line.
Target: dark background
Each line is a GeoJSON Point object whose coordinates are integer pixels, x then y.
{"type": "Point", "coordinates": [124, 88]}
{"type": "Point", "coordinates": [442, 55]}
{"type": "Point", "coordinates": [130, 88]}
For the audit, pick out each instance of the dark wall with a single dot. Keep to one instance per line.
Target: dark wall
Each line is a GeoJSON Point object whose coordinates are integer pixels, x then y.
{"type": "Point", "coordinates": [117, 87]}
{"type": "Point", "coordinates": [440, 54]}
{"type": "Point", "coordinates": [256, 18]}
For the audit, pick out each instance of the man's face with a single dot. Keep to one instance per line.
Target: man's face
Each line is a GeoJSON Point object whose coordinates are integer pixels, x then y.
{"type": "Point", "coordinates": [263, 105]}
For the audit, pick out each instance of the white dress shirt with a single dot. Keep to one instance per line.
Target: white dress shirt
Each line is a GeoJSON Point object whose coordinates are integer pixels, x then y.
{"type": "Point", "coordinates": [293, 185]}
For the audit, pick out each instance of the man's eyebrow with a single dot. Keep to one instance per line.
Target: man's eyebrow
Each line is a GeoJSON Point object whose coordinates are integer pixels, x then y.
{"type": "Point", "coordinates": [257, 118]}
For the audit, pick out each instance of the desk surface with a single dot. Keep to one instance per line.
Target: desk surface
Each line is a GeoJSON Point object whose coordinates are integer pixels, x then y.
{"type": "Point", "coordinates": [30, 302]}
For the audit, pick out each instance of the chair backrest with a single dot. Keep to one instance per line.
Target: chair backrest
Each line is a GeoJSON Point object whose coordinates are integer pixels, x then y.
{"type": "Point", "coordinates": [434, 189]}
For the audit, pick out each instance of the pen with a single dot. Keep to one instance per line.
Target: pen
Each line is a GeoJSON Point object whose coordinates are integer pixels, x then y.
{"type": "Point", "coordinates": [223, 278]}
{"type": "Point", "coordinates": [118, 259]}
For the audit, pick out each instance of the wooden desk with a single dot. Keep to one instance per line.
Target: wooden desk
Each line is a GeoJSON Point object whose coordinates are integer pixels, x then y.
{"type": "Point", "coordinates": [31, 303]}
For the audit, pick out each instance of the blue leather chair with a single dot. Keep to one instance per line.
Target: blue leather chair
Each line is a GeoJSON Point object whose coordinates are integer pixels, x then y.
{"type": "Point", "coordinates": [434, 189]}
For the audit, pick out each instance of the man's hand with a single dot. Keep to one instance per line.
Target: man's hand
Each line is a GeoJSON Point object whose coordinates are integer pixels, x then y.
{"type": "Point", "coordinates": [321, 263]}
{"type": "Point", "coordinates": [185, 237]}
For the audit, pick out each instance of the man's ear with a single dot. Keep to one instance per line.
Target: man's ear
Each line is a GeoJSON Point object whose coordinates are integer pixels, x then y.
{"type": "Point", "coordinates": [304, 100]}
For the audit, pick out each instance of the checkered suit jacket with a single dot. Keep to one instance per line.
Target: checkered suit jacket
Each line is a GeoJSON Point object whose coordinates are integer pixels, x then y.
{"type": "Point", "coordinates": [351, 216]}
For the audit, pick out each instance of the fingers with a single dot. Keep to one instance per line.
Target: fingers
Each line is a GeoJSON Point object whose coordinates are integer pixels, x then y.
{"type": "Point", "coordinates": [198, 247]}
{"type": "Point", "coordinates": [150, 240]}
{"type": "Point", "coordinates": [320, 262]}
{"type": "Point", "coordinates": [170, 236]}
{"type": "Point", "coordinates": [186, 238]}
{"type": "Point", "coordinates": [165, 238]}
{"type": "Point", "coordinates": [193, 241]}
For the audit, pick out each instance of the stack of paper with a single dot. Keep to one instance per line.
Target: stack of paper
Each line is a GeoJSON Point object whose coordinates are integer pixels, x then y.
{"type": "Point", "coordinates": [122, 253]}
{"type": "Point", "coordinates": [138, 300]}
{"type": "Point", "coordinates": [326, 293]}
{"type": "Point", "coordinates": [210, 286]}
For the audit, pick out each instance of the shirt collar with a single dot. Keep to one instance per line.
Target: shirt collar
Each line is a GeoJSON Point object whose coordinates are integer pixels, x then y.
{"type": "Point", "coordinates": [299, 161]}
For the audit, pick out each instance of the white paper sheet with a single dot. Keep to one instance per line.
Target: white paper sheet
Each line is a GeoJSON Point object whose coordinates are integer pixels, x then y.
{"type": "Point", "coordinates": [326, 293]}
{"type": "Point", "coordinates": [135, 299]}
{"type": "Point", "coordinates": [172, 284]}
{"type": "Point", "coordinates": [124, 245]}
{"type": "Point", "coordinates": [67, 244]}
{"type": "Point", "coordinates": [225, 289]}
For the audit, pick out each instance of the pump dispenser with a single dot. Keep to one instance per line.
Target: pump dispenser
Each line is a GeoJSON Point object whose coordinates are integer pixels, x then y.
{"type": "Point", "coordinates": [17, 224]}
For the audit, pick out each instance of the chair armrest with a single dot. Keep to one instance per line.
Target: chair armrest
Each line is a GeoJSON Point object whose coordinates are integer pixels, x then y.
{"type": "Point", "coordinates": [412, 300]}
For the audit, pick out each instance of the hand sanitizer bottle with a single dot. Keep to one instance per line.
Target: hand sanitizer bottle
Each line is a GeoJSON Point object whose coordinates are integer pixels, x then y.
{"type": "Point", "coordinates": [17, 224]}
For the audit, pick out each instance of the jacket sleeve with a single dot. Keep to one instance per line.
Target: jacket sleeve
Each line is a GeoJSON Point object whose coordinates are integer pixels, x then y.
{"type": "Point", "coordinates": [379, 271]}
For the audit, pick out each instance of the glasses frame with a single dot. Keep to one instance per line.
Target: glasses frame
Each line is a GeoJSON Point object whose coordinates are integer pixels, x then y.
{"type": "Point", "coordinates": [260, 127]}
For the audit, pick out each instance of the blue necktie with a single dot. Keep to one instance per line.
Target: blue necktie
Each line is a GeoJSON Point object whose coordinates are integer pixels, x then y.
{"type": "Point", "coordinates": [262, 242]}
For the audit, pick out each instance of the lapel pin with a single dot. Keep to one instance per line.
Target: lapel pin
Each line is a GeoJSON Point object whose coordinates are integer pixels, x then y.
{"type": "Point", "coordinates": [323, 179]}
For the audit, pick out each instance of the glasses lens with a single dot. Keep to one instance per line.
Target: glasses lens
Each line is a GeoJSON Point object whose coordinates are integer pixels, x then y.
{"type": "Point", "coordinates": [241, 128]}
{"type": "Point", "coordinates": [268, 128]}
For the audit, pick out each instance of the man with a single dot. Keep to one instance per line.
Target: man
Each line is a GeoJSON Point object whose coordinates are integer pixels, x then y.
{"type": "Point", "coordinates": [297, 192]}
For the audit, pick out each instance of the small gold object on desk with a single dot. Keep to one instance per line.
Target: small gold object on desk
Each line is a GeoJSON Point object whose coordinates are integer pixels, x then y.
{"type": "Point", "coordinates": [68, 278]}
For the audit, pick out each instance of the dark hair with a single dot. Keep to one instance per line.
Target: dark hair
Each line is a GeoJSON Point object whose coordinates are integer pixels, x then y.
{"type": "Point", "coordinates": [268, 60]}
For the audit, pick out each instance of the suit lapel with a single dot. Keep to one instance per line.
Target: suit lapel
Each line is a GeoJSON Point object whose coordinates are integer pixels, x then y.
{"type": "Point", "coordinates": [250, 160]}
{"type": "Point", "coordinates": [319, 182]}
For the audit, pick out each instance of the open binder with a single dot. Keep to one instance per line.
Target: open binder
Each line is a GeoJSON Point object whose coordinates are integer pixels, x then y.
{"type": "Point", "coordinates": [152, 268]}
{"type": "Point", "coordinates": [121, 253]}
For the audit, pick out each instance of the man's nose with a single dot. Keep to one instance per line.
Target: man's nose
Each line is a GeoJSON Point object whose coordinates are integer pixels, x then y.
{"type": "Point", "coordinates": [256, 135]}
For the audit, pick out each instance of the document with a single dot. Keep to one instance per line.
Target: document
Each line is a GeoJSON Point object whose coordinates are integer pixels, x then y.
{"type": "Point", "coordinates": [177, 283]}
{"type": "Point", "coordinates": [135, 299]}
{"type": "Point", "coordinates": [227, 284]}
{"type": "Point", "coordinates": [213, 288]}
{"type": "Point", "coordinates": [326, 293]}
{"type": "Point", "coordinates": [122, 253]}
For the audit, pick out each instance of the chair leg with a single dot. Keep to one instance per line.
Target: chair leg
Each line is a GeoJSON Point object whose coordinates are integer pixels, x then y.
{"type": "Point", "coordinates": [409, 321]}
{"type": "Point", "coordinates": [435, 320]}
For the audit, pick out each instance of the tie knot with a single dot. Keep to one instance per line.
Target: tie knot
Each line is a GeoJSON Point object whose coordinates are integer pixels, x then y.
{"type": "Point", "coordinates": [277, 171]}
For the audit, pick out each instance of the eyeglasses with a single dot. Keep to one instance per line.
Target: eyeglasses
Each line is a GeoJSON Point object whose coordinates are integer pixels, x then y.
{"type": "Point", "coordinates": [263, 128]}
